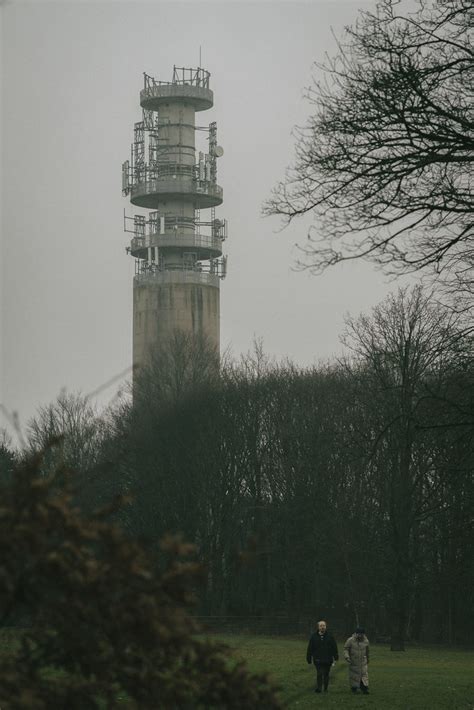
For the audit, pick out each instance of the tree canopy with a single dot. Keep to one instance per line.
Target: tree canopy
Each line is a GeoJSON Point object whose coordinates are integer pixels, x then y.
{"type": "Point", "coordinates": [328, 491]}
{"type": "Point", "coordinates": [101, 622]}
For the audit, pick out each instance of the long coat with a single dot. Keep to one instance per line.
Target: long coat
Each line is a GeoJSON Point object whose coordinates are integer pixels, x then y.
{"type": "Point", "coordinates": [357, 654]}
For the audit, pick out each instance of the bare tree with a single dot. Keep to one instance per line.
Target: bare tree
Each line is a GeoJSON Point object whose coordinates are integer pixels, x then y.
{"type": "Point", "coordinates": [407, 347]}
{"type": "Point", "coordinates": [69, 431]}
{"type": "Point", "coordinates": [385, 162]}
{"type": "Point", "coordinates": [331, 489]}
{"type": "Point", "coordinates": [7, 455]}
{"type": "Point", "coordinates": [185, 363]}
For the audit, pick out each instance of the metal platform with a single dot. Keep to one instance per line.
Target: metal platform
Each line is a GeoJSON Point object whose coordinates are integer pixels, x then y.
{"type": "Point", "coordinates": [151, 192]}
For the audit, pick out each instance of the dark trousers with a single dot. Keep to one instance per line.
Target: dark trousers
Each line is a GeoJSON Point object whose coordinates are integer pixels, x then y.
{"type": "Point", "coordinates": [322, 675]}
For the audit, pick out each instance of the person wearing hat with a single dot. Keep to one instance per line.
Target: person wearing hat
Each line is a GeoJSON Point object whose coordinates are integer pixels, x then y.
{"type": "Point", "coordinates": [322, 648]}
{"type": "Point", "coordinates": [356, 653]}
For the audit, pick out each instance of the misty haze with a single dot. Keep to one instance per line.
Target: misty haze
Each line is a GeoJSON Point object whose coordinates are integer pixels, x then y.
{"type": "Point", "coordinates": [236, 359]}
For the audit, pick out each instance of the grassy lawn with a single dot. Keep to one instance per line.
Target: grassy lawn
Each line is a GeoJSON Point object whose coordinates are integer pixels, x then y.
{"type": "Point", "coordinates": [418, 679]}
{"type": "Point", "coordinates": [430, 678]}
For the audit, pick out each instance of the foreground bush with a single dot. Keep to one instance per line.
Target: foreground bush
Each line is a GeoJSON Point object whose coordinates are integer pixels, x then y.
{"type": "Point", "coordinates": [103, 625]}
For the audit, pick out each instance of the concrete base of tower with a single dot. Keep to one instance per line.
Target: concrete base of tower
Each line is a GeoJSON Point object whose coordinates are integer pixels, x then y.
{"type": "Point", "coordinates": [160, 310]}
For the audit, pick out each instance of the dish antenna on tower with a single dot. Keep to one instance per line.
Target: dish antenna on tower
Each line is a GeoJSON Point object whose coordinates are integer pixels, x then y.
{"type": "Point", "coordinates": [219, 152]}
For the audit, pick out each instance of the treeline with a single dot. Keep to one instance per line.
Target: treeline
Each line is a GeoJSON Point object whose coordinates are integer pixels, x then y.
{"type": "Point", "coordinates": [343, 490]}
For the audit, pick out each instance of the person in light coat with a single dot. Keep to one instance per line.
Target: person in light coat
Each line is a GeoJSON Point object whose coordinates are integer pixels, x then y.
{"type": "Point", "coordinates": [356, 653]}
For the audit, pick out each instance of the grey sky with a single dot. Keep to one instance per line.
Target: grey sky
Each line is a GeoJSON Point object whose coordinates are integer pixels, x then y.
{"type": "Point", "coordinates": [71, 76]}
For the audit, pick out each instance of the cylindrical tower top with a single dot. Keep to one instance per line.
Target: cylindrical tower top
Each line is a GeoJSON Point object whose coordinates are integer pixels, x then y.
{"type": "Point", "coordinates": [191, 85]}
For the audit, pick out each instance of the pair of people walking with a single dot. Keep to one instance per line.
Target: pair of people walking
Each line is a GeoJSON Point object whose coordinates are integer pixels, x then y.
{"type": "Point", "coordinates": [322, 651]}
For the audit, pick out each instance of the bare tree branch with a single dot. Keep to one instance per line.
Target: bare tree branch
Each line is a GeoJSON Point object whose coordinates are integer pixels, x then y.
{"type": "Point", "coordinates": [384, 163]}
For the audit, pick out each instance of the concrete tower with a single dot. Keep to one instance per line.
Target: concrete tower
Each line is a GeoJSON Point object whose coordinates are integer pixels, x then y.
{"type": "Point", "coordinates": [178, 257]}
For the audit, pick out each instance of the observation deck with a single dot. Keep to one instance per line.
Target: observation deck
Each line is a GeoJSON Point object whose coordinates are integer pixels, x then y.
{"type": "Point", "coordinates": [204, 239]}
{"type": "Point", "coordinates": [150, 191]}
{"type": "Point", "coordinates": [188, 85]}
{"type": "Point", "coordinates": [205, 247]}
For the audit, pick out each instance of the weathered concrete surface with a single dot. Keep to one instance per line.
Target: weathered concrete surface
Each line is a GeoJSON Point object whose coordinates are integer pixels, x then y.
{"type": "Point", "coordinates": [160, 310]}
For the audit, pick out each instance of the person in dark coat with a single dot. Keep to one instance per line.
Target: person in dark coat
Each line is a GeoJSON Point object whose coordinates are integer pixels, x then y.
{"type": "Point", "coordinates": [322, 650]}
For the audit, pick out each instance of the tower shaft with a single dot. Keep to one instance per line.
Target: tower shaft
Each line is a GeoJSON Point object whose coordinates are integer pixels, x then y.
{"type": "Point", "coordinates": [178, 257]}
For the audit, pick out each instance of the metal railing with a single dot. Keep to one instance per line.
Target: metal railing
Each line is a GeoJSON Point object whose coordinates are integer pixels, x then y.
{"type": "Point", "coordinates": [214, 267]}
{"type": "Point", "coordinates": [177, 225]}
{"type": "Point", "coordinates": [197, 241]}
{"type": "Point", "coordinates": [148, 187]}
{"type": "Point", "coordinates": [173, 277]}
{"type": "Point", "coordinates": [182, 76]}
{"type": "Point", "coordinates": [143, 174]}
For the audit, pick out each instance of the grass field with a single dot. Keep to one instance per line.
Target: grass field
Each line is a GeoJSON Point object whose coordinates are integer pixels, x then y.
{"type": "Point", "coordinates": [417, 679]}
{"type": "Point", "coordinates": [429, 678]}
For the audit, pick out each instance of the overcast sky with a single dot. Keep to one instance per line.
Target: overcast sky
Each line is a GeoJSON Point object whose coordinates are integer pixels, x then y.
{"type": "Point", "coordinates": [71, 77]}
